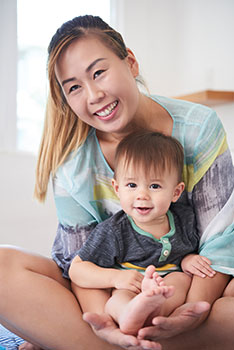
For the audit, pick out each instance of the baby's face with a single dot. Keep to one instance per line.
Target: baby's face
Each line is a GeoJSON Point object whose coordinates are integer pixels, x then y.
{"type": "Point", "coordinates": [145, 195]}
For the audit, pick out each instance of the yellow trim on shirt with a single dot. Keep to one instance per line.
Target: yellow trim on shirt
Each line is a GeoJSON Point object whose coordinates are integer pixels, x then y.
{"type": "Point", "coordinates": [163, 268]}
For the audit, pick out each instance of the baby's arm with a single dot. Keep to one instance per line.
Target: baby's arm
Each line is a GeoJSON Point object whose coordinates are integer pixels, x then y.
{"type": "Point", "coordinates": [194, 264]}
{"type": "Point", "coordinates": [86, 274]}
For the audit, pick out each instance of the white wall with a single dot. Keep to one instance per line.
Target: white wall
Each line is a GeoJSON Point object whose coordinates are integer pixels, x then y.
{"type": "Point", "coordinates": [23, 221]}
{"type": "Point", "coordinates": [183, 46]}
{"type": "Point", "coordinates": [8, 73]}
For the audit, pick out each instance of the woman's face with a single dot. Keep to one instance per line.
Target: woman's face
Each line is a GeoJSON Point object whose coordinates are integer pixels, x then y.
{"type": "Point", "coordinates": [99, 86]}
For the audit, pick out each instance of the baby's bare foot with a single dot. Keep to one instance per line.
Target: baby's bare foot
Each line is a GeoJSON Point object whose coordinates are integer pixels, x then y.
{"type": "Point", "coordinates": [151, 279]}
{"type": "Point", "coordinates": [142, 306]}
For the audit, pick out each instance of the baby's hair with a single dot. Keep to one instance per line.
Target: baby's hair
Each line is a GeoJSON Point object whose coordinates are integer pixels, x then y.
{"type": "Point", "coordinates": [150, 150]}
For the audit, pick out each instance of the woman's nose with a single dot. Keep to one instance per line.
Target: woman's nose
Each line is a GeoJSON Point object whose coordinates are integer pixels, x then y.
{"type": "Point", "coordinates": [95, 94]}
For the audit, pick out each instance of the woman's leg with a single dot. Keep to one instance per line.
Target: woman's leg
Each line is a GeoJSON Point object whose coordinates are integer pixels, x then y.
{"type": "Point", "coordinates": [36, 303]}
{"type": "Point", "coordinates": [215, 333]}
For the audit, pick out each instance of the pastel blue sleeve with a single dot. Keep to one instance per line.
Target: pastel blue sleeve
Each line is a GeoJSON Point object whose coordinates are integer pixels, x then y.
{"type": "Point", "coordinates": [75, 224]}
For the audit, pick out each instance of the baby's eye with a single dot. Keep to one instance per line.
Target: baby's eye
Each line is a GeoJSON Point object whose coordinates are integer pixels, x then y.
{"type": "Point", "coordinates": [131, 185]}
{"type": "Point", "coordinates": [155, 186]}
{"type": "Point", "coordinates": [73, 88]}
{"type": "Point", "coordinates": [97, 73]}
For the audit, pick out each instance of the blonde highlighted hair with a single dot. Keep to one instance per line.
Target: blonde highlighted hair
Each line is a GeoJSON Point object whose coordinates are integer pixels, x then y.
{"type": "Point", "coordinates": [63, 130]}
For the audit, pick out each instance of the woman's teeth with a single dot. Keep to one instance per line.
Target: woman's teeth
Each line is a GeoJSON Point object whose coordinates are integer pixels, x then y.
{"type": "Point", "coordinates": [107, 110]}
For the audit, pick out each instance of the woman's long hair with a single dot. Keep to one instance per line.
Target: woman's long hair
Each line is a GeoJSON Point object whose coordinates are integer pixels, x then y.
{"type": "Point", "coordinates": [63, 130]}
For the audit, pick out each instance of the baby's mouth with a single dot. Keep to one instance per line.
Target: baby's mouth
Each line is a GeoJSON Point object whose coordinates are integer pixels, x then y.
{"type": "Point", "coordinates": [143, 210]}
{"type": "Point", "coordinates": [106, 111]}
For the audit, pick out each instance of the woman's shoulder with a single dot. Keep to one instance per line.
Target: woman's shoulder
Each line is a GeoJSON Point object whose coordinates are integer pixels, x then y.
{"type": "Point", "coordinates": [83, 153]}
{"type": "Point", "coordinates": [196, 126]}
{"type": "Point", "coordinates": [201, 133]}
{"type": "Point", "coordinates": [185, 112]}
{"type": "Point", "coordinates": [87, 156]}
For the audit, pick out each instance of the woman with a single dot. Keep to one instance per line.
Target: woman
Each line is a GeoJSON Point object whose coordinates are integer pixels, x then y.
{"type": "Point", "coordinates": [93, 103]}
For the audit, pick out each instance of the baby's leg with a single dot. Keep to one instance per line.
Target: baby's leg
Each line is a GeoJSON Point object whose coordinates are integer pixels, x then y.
{"type": "Point", "coordinates": [91, 300]}
{"type": "Point", "coordinates": [131, 310]}
{"type": "Point", "coordinates": [181, 283]}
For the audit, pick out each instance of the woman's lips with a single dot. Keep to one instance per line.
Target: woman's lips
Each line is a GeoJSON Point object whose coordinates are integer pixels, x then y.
{"type": "Point", "coordinates": [107, 112]}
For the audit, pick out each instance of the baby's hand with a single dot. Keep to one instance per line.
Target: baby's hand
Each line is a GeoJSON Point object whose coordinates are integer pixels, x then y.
{"type": "Point", "coordinates": [194, 264]}
{"type": "Point", "coordinates": [128, 279]}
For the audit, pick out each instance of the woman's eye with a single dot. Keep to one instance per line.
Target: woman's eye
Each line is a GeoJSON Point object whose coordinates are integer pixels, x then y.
{"type": "Point", "coordinates": [97, 73]}
{"type": "Point", "coordinates": [131, 185]}
{"type": "Point", "coordinates": [73, 88]}
{"type": "Point", "coordinates": [155, 186]}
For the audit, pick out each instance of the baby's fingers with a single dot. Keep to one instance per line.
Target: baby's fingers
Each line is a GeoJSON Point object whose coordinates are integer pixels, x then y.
{"type": "Point", "coordinates": [204, 259]}
{"type": "Point", "coordinates": [136, 288]}
{"type": "Point", "coordinates": [203, 268]}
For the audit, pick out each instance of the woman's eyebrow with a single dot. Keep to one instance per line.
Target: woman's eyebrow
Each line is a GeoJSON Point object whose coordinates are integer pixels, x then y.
{"type": "Point", "coordinates": [93, 64]}
{"type": "Point", "coordinates": [86, 70]}
{"type": "Point", "coordinates": [67, 81]}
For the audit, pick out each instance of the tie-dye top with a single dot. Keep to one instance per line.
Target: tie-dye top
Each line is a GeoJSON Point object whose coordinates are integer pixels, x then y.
{"type": "Point", "coordinates": [84, 195]}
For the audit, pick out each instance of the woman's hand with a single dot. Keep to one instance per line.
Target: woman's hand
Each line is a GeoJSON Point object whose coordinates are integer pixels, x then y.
{"type": "Point", "coordinates": [105, 328]}
{"type": "Point", "coordinates": [194, 264]}
{"type": "Point", "coordinates": [184, 318]}
{"type": "Point", "coordinates": [128, 279]}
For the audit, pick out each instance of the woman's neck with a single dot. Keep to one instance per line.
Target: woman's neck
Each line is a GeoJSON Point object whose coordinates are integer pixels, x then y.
{"type": "Point", "coordinates": [149, 115]}
{"type": "Point", "coordinates": [152, 116]}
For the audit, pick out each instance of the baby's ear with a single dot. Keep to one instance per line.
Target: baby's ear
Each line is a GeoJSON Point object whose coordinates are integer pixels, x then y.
{"type": "Point", "coordinates": [178, 191]}
{"type": "Point", "coordinates": [115, 186]}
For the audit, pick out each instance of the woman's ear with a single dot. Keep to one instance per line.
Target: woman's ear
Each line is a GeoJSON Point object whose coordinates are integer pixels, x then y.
{"type": "Point", "coordinates": [115, 186]}
{"type": "Point", "coordinates": [178, 191]}
{"type": "Point", "coordinates": [132, 62]}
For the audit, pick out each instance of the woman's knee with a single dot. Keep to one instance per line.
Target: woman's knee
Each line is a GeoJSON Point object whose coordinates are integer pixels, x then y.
{"type": "Point", "coordinates": [222, 310]}
{"type": "Point", "coordinates": [14, 261]}
{"type": "Point", "coordinates": [18, 266]}
{"type": "Point", "coordinates": [220, 322]}
{"type": "Point", "coordinates": [12, 258]}
{"type": "Point", "coordinates": [7, 257]}
{"type": "Point", "coordinates": [229, 290]}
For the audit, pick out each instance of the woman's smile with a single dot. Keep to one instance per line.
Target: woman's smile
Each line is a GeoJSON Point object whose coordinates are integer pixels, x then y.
{"type": "Point", "coordinates": [108, 112]}
{"type": "Point", "coordinates": [97, 83]}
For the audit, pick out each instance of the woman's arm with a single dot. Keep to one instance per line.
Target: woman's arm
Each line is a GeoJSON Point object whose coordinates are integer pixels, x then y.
{"type": "Point", "coordinates": [75, 225]}
{"type": "Point", "coordinates": [212, 192]}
